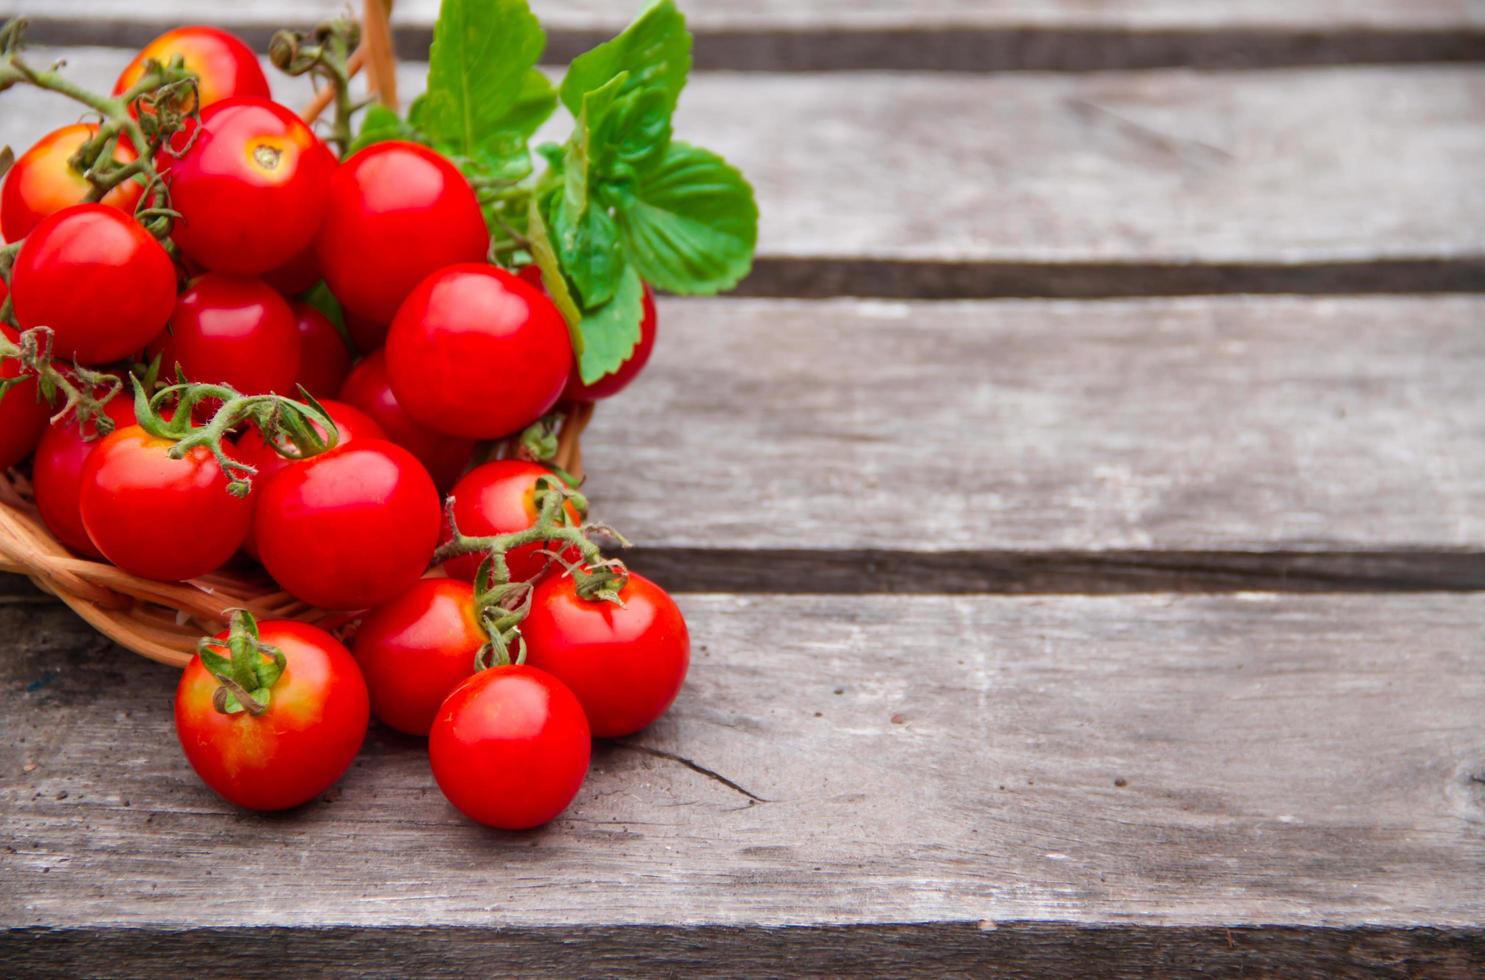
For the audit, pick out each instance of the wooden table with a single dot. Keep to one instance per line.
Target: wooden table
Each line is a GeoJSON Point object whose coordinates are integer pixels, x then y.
{"type": "Point", "coordinates": [1081, 521]}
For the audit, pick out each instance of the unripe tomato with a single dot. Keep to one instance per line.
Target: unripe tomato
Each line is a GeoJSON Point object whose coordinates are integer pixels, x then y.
{"type": "Point", "coordinates": [157, 517]}
{"type": "Point", "coordinates": [350, 528]}
{"type": "Point", "coordinates": [612, 384]}
{"type": "Point", "coordinates": [510, 747]}
{"type": "Point", "coordinates": [416, 648]}
{"type": "Point", "coordinates": [224, 66]}
{"type": "Point", "coordinates": [398, 211]}
{"type": "Point", "coordinates": [43, 181]}
{"type": "Point", "coordinates": [313, 727]}
{"type": "Point", "coordinates": [251, 190]}
{"type": "Point", "coordinates": [477, 352]}
{"type": "Point", "coordinates": [97, 279]}
{"type": "Point", "coordinates": [56, 473]}
{"type": "Point", "coordinates": [324, 359]}
{"type": "Point", "coordinates": [233, 331]}
{"type": "Point", "coordinates": [367, 389]}
{"type": "Point", "coordinates": [625, 663]}
{"type": "Point", "coordinates": [498, 498]}
{"type": "Point", "coordinates": [23, 414]}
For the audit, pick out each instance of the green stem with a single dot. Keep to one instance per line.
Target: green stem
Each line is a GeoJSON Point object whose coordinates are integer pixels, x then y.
{"type": "Point", "coordinates": [84, 392]}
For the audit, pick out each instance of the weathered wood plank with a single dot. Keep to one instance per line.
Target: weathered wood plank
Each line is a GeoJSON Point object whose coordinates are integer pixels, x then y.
{"type": "Point", "coordinates": [1149, 762]}
{"type": "Point", "coordinates": [1256, 181]}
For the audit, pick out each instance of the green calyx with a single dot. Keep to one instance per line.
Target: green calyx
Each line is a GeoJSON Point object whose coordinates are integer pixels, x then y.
{"type": "Point", "coordinates": [325, 54]}
{"type": "Point", "coordinates": [82, 391]}
{"type": "Point", "coordinates": [246, 677]}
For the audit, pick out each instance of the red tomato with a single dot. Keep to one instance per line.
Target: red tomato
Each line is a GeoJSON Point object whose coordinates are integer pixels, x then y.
{"type": "Point", "coordinates": [43, 181]}
{"type": "Point", "coordinates": [367, 389]}
{"type": "Point", "coordinates": [368, 335]}
{"type": "Point", "coordinates": [98, 279]}
{"type": "Point", "coordinates": [233, 331]}
{"type": "Point", "coordinates": [311, 731]}
{"type": "Point", "coordinates": [224, 66]}
{"type": "Point", "coordinates": [298, 275]}
{"type": "Point", "coordinates": [23, 415]}
{"type": "Point", "coordinates": [157, 517]}
{"type": "Point", "coordinates": [350, 528]}
{"type": "Point", "coordinates": [56, 473]}
{"type": "Point", "coordinates": [476, 352]}
{"type": "Point", "coordinates": [324, 359]}
{"type": "Point", "coordinates": [510, 747]}
{"type": "Point", "coordinates": [612, 384]}
{"type": "Point", "coordinates": [251, 190]}
{"type": "Point", "coordinates": [498, 498]}
{"type": "Point", "coordinates": [417, 648]}
{"type": "Point", "coordinates": [625, 663]}
{"type": "Point", "coordinates": [397, 212]}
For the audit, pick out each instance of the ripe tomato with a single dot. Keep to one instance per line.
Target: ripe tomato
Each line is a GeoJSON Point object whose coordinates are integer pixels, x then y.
{"type": "Point", "coordinates": [510, 747]}
{"type": "Point", "coordinates": [612, 384]}
{"type": "Point", "coordinates": [324, 359]}
{"type": "Point", "coordinates": [251, 190]}
{"type": "Point", "coordinates": [233, 331]}
{"type": "Point", "coordinates": [498, 498]}
{"type": "Point", "coordinates": [43, 181]}
{"type": "Point", "coordinates": [368, 335]}
{"type": "Point", "coordinates": [367, 389]}
{"type": "Point", "coordinates": [224, 66]}
{"type": "Point", "coordinates": [298, 275]}
{"type": "Point", "coordinates": [398, 211]}
{"type": "Point", "coordinates": [157, 517]}
{"type": "Point", "coordinates": [312, 729]}
{"type": "Point", "coordinates": [56, 473]}
{"type": "Point", "coordinates": [417, 648]}
{"type": "Point", "coordinates": [23, 415]}
{"type": "Point", "coordinates": [477, 352]}
{"type": "Point", "coordinates": [350, 528]}
{"type": "Point", "coordinates": [98, 279]}
{"type": "Point", "coordinates": [625, 663]}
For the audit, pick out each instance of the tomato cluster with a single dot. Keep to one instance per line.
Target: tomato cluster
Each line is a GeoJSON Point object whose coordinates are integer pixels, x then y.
{"type": "Point", "coordinates": [362, 287]}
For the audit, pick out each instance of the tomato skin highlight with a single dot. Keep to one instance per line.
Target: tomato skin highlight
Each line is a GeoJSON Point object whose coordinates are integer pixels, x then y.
{"type": "Point", "coordinates": [251, 190]}
{"type": "Point", "coordinates": [42, 182]}
{"type": "Point", "coordinates": [368, 389]}
{"type": "Point", "coordinates": [497, 498]}
{"type": "Point", "coordinates": [477, 352]}
{"type": "Point", "coordinates": [233, 331]}
{"type": "Point", "coordinates": [23, 415]}
{"type": "Point", "coordinates": [626, 664]}
{"type": "Point", "coordinates": [316, 720]}
{"type": "Point", "coordinates": [324, 359]}
{"type": "Point", "coordinates": [56, 473]}
{"type": "Point", "coordinates": [351, 528]}
{"type": "Point", "coordinates": [510, 747]}
{"type": "Point", "coordinates": [97, 279]}
{"type": "Point", "coordinates": [397, 212]}
{"type": "Point", "coordinates": [157, 517]}
{"type": "Point", "coordinates": [224, 66]}
{"type": "Point", "coordinates": [416, 648]}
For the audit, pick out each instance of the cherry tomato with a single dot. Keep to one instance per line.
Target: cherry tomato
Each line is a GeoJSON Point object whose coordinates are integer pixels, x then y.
{"type": "Point", "coordinates": [23, 415]}
{"type": "Point", "coordinates": [510, 747]}
{"type": "Point", "coordinates": [477, 352]}
{"type": "Point", "coordinates": [157, 517]}
{"type": "Point", "coordinates": [233, 331]}
{"type": "Point", "coordinates": [417, 648]}
{"type": "Point", "coordinates": [625, 663]}
{"type": "Point", "coordinates": [251, 190]}
{"type": "Point", "coordinates": [368, 335]}
{"type": "Point", "coordinates": [367, 389]}
{"type": "Point", "coordinates": [224, 66]}
{"type": "Point", "coordinates": [324, 359]}
{"type": "Point", "coordinates": [56, 473]}
{"type": "Point", "coordinates": [611, 384]}
{"type": "Point", "coordinates": [397, 212]}
{"type": "Point", "coordinates": [298, 275]}
{"type": "Point", "coordinates": [98, 279]}
{"type": "Point", "coordinates": [43, 181]}
{"type": "Point", "coordinates": [498, 498]}
{"type": "Point", "coordinates": [313, 727]}
{"type": "Point", "coordinates": [351, 528]}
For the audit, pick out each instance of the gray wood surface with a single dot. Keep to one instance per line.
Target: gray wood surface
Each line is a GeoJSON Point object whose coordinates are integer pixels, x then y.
{"type": "Point", "coordinates": [1135, 182]}
{"type": "Point", "coordinates": [923, 763]}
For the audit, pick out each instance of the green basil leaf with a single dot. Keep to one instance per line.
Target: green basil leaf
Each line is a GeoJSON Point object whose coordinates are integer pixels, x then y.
{"type": "Point", "coordinates": [692, 224]}
{"type": "Point", "coordinates": [379, 125]}
{"type": "Point", "coordinates": [545, 256]}
{"type": "Point", "coordinates": [590, 250]}
{"type": "Point", "coordinates": [611, 332]}
{"type": "Point", "coordinates": [655, 50]}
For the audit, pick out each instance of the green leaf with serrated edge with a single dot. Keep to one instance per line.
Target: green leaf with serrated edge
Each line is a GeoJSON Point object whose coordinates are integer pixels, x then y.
{"type": "Point", "coordinates": [611, 331]}
{"type": "Point", "coordinates": [584, 233]}
{"type": "Point", "coordinates": [545, 256]}
{"type": "Point", "coordinates": [692, 225]}
{"type": "Point", "coordinates": [655, 50]}
{"type": "Point", "coordinates": [379, 125]}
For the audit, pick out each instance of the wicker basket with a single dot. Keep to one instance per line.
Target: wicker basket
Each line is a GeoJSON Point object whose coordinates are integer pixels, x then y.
{"type": "Point", "coordinates": [164, 620]}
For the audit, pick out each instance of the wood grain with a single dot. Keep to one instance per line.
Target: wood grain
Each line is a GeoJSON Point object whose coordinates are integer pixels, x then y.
{"type": "Point", "coordinates": [1150, 762]}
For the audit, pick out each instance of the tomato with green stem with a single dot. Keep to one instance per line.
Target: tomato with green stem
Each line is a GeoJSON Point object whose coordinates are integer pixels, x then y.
{"type": "Point", "coordinates": [23, 413]}
{"type": "Point", "coordinates": [94, 276]}
{"type": "Point", "coordinates": [498, 498]}
{"type": "Point", "coordinates": [43, 181]}
{"type": "Point", "coordinates": [619, 379]}
{"type": "Point", "coordinates": [233, 331]}
{"type": "Point", "coordinates": [367, 388]}
{"type": "Point", "coordinates": [56, 472]}
{"type": "Point", "coordinates": [271, 715]}
{"type": "Point", "coordinates": [224, 66]}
